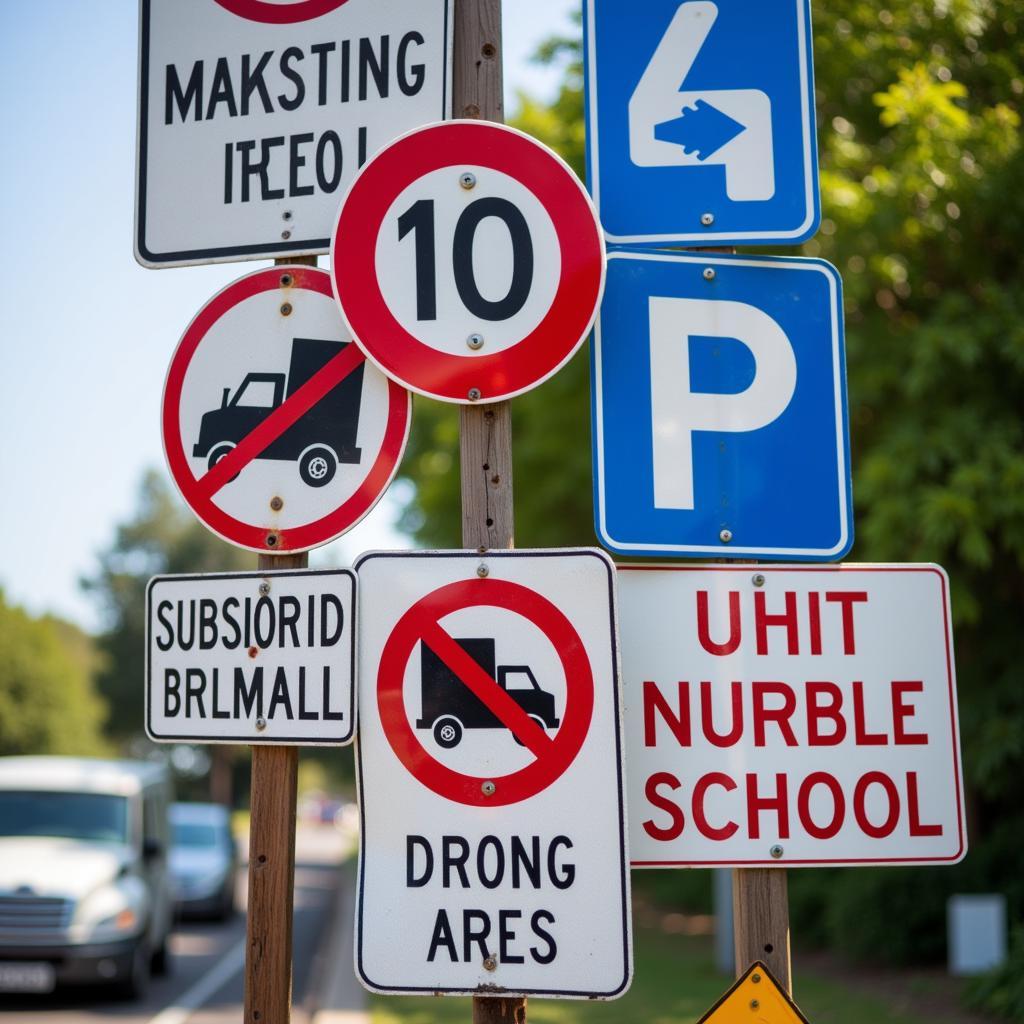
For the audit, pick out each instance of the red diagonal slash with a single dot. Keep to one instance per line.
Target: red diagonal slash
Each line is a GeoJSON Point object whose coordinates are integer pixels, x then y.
{"type": "Point", "coordinates": [285, 415]}
{"type": "Point", "coordinates": [507, 711]}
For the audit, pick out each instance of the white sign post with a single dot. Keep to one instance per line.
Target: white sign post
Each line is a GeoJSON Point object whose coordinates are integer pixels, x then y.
{"type": "Point", "coordinates": [254, 116]}
{"type": "Point", "coordinates": [492, 842]}
{"type": "Point", "coordinates": [253, 657]}
{"type": "Point", "coordinates": [790, 716]}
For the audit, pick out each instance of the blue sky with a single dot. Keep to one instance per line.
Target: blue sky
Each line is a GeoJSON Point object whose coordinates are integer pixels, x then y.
{"type": "Point", "coordinates": [85, 333]}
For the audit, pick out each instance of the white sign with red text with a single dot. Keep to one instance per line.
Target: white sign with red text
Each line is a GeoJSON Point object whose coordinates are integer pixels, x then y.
{"type": "Point", "coordinates": [790, 716]}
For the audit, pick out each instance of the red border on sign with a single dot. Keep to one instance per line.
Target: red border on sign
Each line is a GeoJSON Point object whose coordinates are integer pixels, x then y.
{"type": "Point", "coordinates": [247, 535]}
{"type": "Point", "coordinates": [951, 684]}
{"type": "Point", "coordinates": [552, 758]}
{"type": "Point", "coordinates": [279, 14]}
{"type": "Point", "coordinates": [353, 257]}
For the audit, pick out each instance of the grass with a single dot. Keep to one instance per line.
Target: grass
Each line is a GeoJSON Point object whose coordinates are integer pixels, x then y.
{"type": "Point", "coordinates": [675, 982]}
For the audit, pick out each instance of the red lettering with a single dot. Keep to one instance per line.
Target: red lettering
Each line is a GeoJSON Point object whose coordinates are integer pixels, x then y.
{"type": "Point", "coordinates": [814, 615]}
{"type": "Point", "coordinates": [762, 620]}
{"type": "Point", "coordinates": [902, 710]}
{"type": "Point", "coordinates": [678, 723]}
{"type": "Point", "coordinates": [707, 720]}
{"type": "Point", "coordinates": [703, 631]}
{"type": "Point", "coordinates": [860, 802]}
{"type": "Point", "coordinates": [818, 710]}
{"type": "Point", "coordinates": [803, 805]}
{"type": "Point", "coordinates": [847, 598]}
{"type": "Point", "coordinates": [704, 783]}
{"type": "Point", "coordinates": [780, 716]}
{"type": "Point", "coordinates": [862, 737]}
{"type": "Point", "coordinates": [778, 803]}
{"type": "Point", "coordinates": [675, 830]}
{"type": "Point", "coordinates": [914, 811]}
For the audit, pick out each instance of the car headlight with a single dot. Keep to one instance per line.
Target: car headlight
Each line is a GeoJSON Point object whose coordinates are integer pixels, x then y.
{"type": "Point", "coordinates": [108, 912]}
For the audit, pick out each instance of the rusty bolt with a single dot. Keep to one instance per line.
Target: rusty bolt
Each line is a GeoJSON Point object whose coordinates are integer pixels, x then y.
{"type": "Point", "coordinates": [754, 1004]}
{"type": "Point", "coordinates": [286, 280]}
{"type": "Point", "coordinates": [276, 503]}
{"type": "Point", "coordinates": [286, 309]}
{"type": "Point", "coordinates": [490, 964]}
{"type": "Point", "coordinates": [286, 235]}
{"type": "Point", "coordinates": [755, 978]}
{"type": "Point", "coordinates": [272, 539]}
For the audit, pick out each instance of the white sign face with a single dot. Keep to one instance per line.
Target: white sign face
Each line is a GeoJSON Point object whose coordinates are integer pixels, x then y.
{"type": "Point", "coordinates": [254, 116]}
{"type": "Point", "coordinates": [490, 719]}
{"type": "Point", "coordinates": [791, 717]}
{"type": "Point", "coordinates": [251, 658]}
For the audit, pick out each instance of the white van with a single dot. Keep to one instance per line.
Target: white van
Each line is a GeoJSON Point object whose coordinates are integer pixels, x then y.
{"type": "Point", "coordinates": [84, 889]}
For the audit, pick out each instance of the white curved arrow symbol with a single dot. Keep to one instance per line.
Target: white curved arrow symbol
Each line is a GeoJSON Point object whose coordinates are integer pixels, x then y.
{"type": "Point", "coordinates": [672, 127]}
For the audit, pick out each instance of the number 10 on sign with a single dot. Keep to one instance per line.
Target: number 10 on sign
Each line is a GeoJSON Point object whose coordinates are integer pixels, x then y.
{"type": "Point", "coordinates": [468, 261]}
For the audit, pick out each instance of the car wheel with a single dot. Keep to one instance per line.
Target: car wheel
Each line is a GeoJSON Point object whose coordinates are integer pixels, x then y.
{"type": "Point", "coordinates": [135, 983]}
{"type": "Point", "coordinates": [317, 466]}
{"type": "Point", "coordinates": [218, 452]}
{"type": "Point", "coordinates": [447, 732]}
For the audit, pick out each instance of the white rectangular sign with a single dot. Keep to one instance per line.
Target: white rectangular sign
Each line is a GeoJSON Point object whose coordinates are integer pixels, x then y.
{"type": "Point", "coordinates": [251, 657]}
{"type": "Point", "coordinates": [254, 116]}
{"type": "Point", "coordinates": [492, 843]}
{"type": "Point", "coordinates": [790, 716]}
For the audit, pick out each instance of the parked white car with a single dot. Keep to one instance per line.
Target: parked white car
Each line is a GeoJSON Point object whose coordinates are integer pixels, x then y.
{"type": "Point", "coordinates": [84, 888]}
{"type": "Point", "coordinates": [203, 860]}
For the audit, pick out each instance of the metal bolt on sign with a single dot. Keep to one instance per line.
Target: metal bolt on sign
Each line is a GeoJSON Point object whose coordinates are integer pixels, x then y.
{"type": "Point", "coordinates": [265, 588]}
{"type": "Point", "coordinates": [467, 179]}
{"type": "Point", "coordinates": [482, 571]}
{"type": "Point", "coordinates": [725, 536]}
{"type": "Point", "coordinates": [490, 964]}
{"type": "Point", "coordinates": [709, 273]}
{"type": "Point", "coordinates": [488, 788]}
{"type": "Point", "coordinates": [474, 394]}
{"type": "Point", "coordinates": [707, 219]}
{"type": "Point", "coordinates": [776, 852]}
{"type": "Point", "coordinates": [475, 341]}
{"type": "Point", "coordinates": [757, 579]}
{"type": "Point", "coordinates": [261, 724]}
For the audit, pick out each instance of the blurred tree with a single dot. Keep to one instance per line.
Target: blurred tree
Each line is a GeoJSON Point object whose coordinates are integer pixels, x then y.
{"type": "Point", "coordinates": [921, 162]}
{"type": "Point", "coordinates": [47, 701]}
{"type": "Point", "coordinates": [162, 537]}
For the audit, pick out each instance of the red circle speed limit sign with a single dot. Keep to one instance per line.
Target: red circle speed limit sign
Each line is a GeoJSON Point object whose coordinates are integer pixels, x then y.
{"type": "Point", "coordinates": [468, 261]}
{"type": "Point", "coordinates": [278, 433]}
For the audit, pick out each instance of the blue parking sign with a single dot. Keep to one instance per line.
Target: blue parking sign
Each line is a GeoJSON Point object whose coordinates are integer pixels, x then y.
{"type": "Point", "coordinates": [700, 121]}
{"type": "Point", "coordinates": [719, 407]}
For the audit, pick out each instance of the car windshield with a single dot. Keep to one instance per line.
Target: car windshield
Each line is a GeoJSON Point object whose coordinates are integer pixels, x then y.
{"type": "Point", "coordinates": [187, 834]}
{"type": "Point", "coordinates": [96, 817]}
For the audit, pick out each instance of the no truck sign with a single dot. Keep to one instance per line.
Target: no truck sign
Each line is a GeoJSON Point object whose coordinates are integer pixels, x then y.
{"type": "Point", "coordinates": [254, 116]}
{"type": "Point", "coordinates": [790, 716]}
{"type": "Point", "coordinates": [277, 433]}
{"type": "Point", "coordinates": [490, 715]}
{"type": "Point", "coordinates": [251, 657]}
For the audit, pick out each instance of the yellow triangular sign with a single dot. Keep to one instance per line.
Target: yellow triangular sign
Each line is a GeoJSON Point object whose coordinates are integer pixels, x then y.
{"type": "Point", "coordinates": [757, 998]}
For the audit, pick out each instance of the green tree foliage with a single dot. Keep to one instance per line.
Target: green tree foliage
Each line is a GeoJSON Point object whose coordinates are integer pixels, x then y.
{"type": "Point", "coordinates": [923, 214]}
{"type": "Point", "coordinates": [162, 537]}
{"type": "Point", "coordinates": [47, 701]}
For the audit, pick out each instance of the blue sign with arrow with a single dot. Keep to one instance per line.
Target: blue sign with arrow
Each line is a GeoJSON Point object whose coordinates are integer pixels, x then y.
{"type": "Point", "coordinates": [719, 404]}
{"type": "Point", "coordinates": [700, 121]}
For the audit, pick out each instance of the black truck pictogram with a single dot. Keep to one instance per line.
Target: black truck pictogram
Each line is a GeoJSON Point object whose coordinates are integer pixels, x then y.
{"type": "Point", "coordinates": [321, 438]}
{"type": "Point", "coordinates": [449, 706]}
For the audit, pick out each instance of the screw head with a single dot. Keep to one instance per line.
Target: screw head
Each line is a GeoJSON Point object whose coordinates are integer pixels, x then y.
{"type": "Point", "coordinates": [287, 215]}
{"type": "Point", "coordinates": [286, 280]}
{"type": "Point", "coordinates": [757, 579]}
{"type": "Point", "coordinates": [755, 978]}
{"type": "Point", "coordinates": [776, 852]}
{"type": "Point", "coordinates": [707, 219]}
{"type": "Point", "coordinates": [490, 964]}
{"type": "Point", "coordinates": [286, 309]}
{"type": "Point", "coordinates": [261, 723]}
{"type": "Point", "coordinates": [272, 540]}
{"type": "Point", "coordinates": [754, 1004]}
{"type": "Point", "coordinates": [276, 503]}
{"type": "Point", "coordinates": [475, 341]}
{"type": "Point", "coordinates": [488, 788]}
{"type": "Point", "coordinates": [482, 570]}
{"type": "Point", "coordinates": [467, 179]}
{"type": "Point", "coordinates": [725, 536]}
{"type": "Point", "coordinates": [265, 587]}
{"type": "Point", "coordinates": [474, 394]}
{"type": "Point", "coordinates": [286, 235]}
{"type": "Point", "coordinates": [709, 273]}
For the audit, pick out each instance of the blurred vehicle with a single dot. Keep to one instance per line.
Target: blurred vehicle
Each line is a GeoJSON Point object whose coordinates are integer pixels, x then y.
{"type": "Point", "coordinates": [203, 861]}
{"type": "Point", "coordinates": [84, 890]}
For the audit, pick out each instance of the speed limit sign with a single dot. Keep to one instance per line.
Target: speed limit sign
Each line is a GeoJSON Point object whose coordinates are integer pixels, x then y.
{"type": "Point", "coordinates": [468, 261]}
